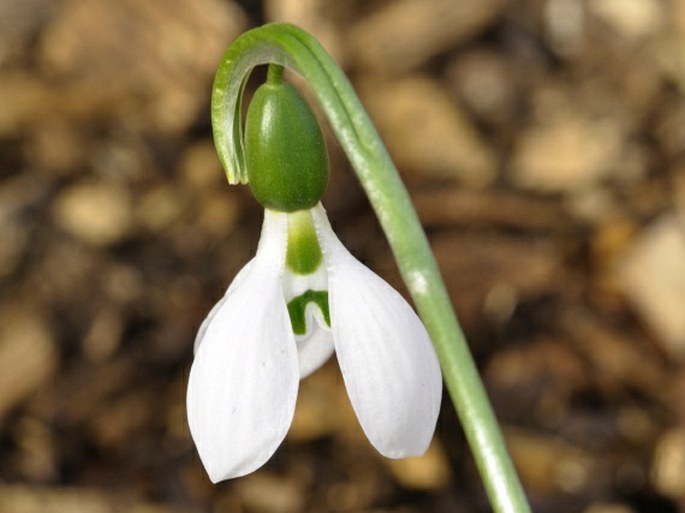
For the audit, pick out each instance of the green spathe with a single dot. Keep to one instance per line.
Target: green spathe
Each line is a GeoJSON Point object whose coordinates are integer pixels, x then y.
{"type": "Point", "coordinates": [285, 152]}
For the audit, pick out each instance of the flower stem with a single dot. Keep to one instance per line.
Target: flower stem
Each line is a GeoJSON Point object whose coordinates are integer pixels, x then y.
{"type": "Point", "coordinates": [289, 46]}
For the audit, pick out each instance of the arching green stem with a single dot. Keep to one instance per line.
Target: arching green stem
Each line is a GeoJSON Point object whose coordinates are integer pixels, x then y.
{"type": "Point", "coordinates": [288, 46]}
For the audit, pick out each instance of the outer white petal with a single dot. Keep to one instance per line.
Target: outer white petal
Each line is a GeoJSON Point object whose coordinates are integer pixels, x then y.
{"type": "Point", "coordinates": [243, 383]}
{"type": "Point", "coordinates": [231, 288]}
{"type": "Point", "coordinates": [271, 249]}
{"type": "Point", "coordinates": [387, 361]}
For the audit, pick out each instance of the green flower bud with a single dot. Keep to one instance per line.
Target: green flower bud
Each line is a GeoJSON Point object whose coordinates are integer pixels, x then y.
{"type": "Point", "coordinates": [285, 152]}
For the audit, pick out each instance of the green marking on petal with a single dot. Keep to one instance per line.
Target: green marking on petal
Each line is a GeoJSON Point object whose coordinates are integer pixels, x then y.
{"type": "Point", "coordinates": [298, 305]}
{"type": "Point", "coordinates": [304, 254]}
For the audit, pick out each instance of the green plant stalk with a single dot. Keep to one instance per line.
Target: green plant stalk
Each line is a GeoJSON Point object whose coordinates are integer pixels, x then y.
{"type": "Point", "coordinates": [289, 46]}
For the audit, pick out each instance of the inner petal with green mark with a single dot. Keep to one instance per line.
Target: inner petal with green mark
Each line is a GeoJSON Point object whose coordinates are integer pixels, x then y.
{"type": "Point", "coordinates": [303, 255]}
{"type": "Point", "coordinates": [297, 309]}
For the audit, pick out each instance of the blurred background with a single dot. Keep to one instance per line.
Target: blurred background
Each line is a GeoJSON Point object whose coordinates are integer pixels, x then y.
{"type": "Point", "coordinates": [543, 142]}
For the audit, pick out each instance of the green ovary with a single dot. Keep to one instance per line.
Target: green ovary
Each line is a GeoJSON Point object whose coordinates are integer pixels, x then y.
{"type": "Point", "coordinates": [285, 151]}
{"type": "Point", "coordinates": [303, 255]}
{"type": "Point", "coordinates": [298, 305]}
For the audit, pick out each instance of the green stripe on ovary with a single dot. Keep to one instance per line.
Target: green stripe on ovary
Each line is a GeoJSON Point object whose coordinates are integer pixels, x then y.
{"type": "Point", "coordinates": [303, 255]}
{"type": "Point", "coordinates": [298, 305]}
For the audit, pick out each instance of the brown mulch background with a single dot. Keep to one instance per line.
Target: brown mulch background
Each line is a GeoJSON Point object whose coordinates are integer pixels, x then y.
{"type": "Point", "coordinates": [543, 142]}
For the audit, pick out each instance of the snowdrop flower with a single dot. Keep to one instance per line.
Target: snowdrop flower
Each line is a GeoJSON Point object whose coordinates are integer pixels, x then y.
{"type": "Point", "coordinates": [299, 300]}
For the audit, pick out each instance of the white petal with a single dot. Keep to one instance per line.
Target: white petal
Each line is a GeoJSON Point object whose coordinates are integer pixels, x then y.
{"type": "Point", "coordinates": [272, 243]}
{"type": "Point", "coordinates": [234, 284]}
{"type": "Point", "coordinates": [243, 383]}
{"type": "Point", "coordinates": [387, 361]}
{"type": "Point", "coordinates": [316, 347]}
{"type": "Point", "coordinates": [314, 351]}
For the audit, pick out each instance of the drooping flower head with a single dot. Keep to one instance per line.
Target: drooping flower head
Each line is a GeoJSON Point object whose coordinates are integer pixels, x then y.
{"type": "Point", "coordinates": [301, 298]}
